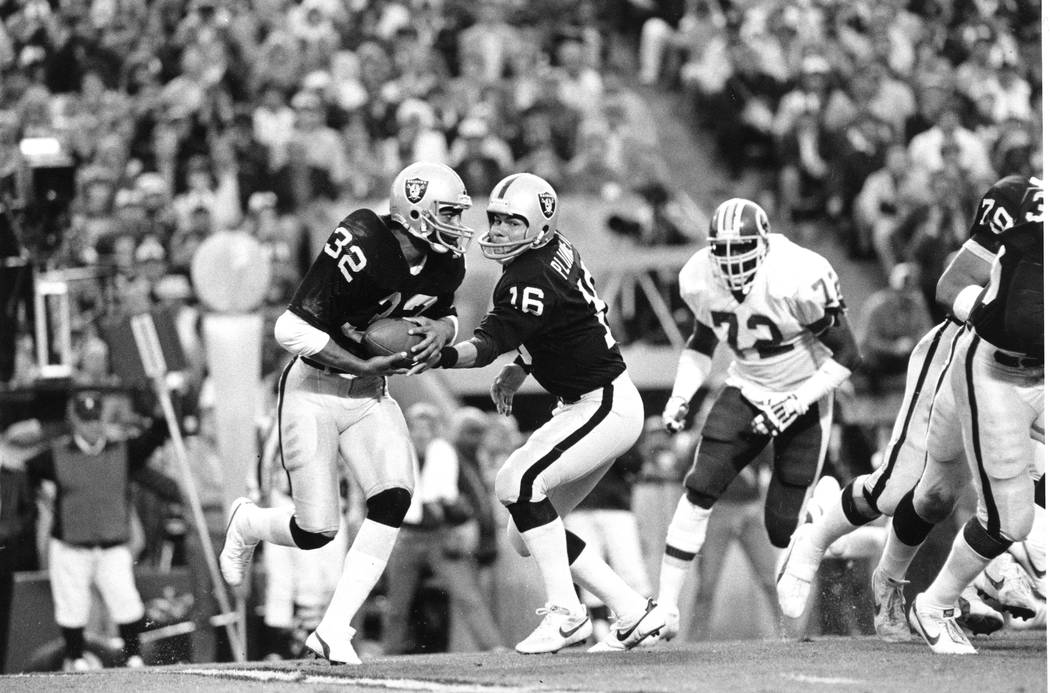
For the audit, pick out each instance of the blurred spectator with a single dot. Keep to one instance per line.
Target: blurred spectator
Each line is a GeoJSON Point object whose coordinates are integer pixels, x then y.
{"type": "Point", "coordinates": [882, 203]}
{"type": "Point", "coordinates": [579, 85]}
{"type": "Point", "coordinates": [930, 232]}
{"type": "Point", "coordinates": [926, 148]}
{"type": "Point", "coordinates": [430, 538]}
{"type": "Point", "coordinates": [488, 42]}
{"type": "Point", "coordinates": [90, 534]}
{"type": "Point", "coordinates": [480, 159]}
{"type": "Point", "coordinates": [892, 321]}
{"type": "Point", "coordinates": [273, 123]}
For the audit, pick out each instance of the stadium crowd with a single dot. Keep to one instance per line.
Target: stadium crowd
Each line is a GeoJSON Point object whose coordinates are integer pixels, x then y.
{"type": "Point", "coordinates": [880, 122]}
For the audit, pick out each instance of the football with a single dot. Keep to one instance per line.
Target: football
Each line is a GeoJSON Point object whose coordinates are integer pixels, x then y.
{"type": "Point", "coordinates": [389, 336]}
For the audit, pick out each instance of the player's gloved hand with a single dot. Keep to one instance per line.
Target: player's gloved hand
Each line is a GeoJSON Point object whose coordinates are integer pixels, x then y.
{"type": "Point", "coordinates": [776, 415]}
{"type": "Point", "coordinates": [675, 411]}
{"type": "Point", "coordinates": [505, 386]}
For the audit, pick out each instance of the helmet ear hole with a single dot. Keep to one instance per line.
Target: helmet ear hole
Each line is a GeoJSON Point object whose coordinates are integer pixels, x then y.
{"type": "Point", "coordinates": [414, 214]}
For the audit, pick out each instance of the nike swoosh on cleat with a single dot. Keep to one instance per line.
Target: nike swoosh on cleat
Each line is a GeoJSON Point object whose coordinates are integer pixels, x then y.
{"type": "Point", "coordinates": [622, 635]}
{"type": "Point", "coordinates": [997, 584]}
{"type": "Point", "coordinates": [566, 633]}
{"type": "Point", "coordinates": [930, 639]}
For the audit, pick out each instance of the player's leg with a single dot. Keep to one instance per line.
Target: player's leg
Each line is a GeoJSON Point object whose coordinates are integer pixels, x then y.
{"type": "Point", "coordinates": [585, 523]}
{"type": "Point", "coordinates": [379, 450]}
{"type": "Point", "coordinates": [726, 447]}
{"type": "Point", "coordinates": [70, 571]}
{"type": "Point", "coordinates": [115, 579]}
{"type": "Point", "coordinates": [562, 461]}
{"type": "Point", "coordinates": [308, 409]}
{"type": "Point", "coordinates": [997, 405]}
{"type": "Point", "coordinates": [868, 496]}
{"type": "Point", "coordinates": [798, 458]}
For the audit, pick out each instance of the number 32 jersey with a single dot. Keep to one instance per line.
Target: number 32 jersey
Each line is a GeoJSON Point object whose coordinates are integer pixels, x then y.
{"type": "Point", "coordinates": [361, 275]}
{"type": "Point", "coordinates": [545, 305]}
{"type": "Point", "coordinates": [773, 349]}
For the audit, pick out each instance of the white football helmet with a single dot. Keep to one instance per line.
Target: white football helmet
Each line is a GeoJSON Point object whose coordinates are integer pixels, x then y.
{"type": "Point", "coordinates": [529, 198]}
{"type": "Point", "coordinates": [420, 195]}
{"type": "Point", "coordinates": [738, 241]}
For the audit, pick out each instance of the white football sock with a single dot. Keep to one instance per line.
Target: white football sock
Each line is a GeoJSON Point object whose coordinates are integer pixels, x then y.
{"type": "Point", "coordinates": [268, 524]}
{"type": "Point", "coordinates": [962, 567]}
{"type": "Point", "coordinates": [896, 556]}
{"type": "Point", "coordinates": [685, 534]}
{"type": "Point", "coordinates": [597, 577]}
{"type": "Point", "coordinates": [362, 568]}
{"type": "Point", "coordinates": [546, 543]}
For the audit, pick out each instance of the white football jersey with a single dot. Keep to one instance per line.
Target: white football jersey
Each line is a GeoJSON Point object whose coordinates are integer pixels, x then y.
{"type": "Point", "coordinates": [773, 351]}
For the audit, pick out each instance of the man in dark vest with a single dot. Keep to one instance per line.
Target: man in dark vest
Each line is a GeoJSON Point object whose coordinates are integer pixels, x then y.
{"type": "Point", "coordinates": [89, 537]}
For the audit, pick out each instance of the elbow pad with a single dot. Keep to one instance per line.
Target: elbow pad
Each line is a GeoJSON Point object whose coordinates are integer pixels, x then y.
{"type": "Point", "coordinates": [830, 375]}
{"type": "Point", "coordinates": [693, 369]}
{"type": "Point", "coordinates": [298, 336]}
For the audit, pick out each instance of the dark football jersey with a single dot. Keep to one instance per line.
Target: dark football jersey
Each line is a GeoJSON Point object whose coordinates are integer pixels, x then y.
{"type": "Point", "coordinates": [545, 305]}
{"type": "Point", "coordinates": [361, 275]}
{"type": "Point", "coordinates": [1001, 208]}
{"type": "Point", "coordinates": [1010, 312]}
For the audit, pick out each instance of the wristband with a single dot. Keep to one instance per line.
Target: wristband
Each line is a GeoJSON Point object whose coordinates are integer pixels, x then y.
{"type": "Point", "coordinates": [449, 357]}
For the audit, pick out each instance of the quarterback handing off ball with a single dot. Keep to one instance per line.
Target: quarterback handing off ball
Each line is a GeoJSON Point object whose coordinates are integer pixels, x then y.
{"type": "Point", "coordinates": [390, 336]}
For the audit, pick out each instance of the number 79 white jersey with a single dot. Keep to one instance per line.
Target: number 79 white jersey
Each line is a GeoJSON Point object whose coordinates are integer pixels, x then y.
{"type": "Point", "coordinates": [773, 350]}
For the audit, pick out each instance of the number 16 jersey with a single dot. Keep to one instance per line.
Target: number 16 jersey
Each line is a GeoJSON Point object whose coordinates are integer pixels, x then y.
{"type": "Point", "coordinates": [772, 332]}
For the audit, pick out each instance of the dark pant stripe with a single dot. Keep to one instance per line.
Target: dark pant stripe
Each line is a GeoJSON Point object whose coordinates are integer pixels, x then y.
{"type": "Point", "coordinates": [924, 372]}
{"type": "Point", "coordinates": [529, 477]}
{"type": "Point", "coordinates": [986, 484]}
{"type": "Point", "coordinates": [280, 431]}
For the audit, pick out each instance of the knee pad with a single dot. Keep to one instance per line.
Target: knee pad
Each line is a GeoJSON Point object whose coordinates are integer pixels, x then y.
{"type": "Point", "coordinates": [308, 540]}
{"type": "Point", "coordinates": [528, 516]}
{"type": "Point", "coordinates": [783, 505]}
{"type": "Point", "coordinates": [699, 499]}
{"type": "Point", "coordinates": [389, 507]}
{"type": "Point", "coordinates": [857, 504]}
{"type": "Point", "coordinates": [983, 541]}
{"type": "Point", "coordinates": [516, 541]}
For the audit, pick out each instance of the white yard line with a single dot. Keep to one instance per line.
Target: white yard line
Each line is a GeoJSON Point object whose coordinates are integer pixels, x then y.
{"type": "Point", "coordinates": [391, 684]}
{"type": "Point", "coordinates": [829, 680]}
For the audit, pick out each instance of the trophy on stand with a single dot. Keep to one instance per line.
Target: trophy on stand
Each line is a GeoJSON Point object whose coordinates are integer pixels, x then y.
{"type": "Point", "coordinates": [231, 275]}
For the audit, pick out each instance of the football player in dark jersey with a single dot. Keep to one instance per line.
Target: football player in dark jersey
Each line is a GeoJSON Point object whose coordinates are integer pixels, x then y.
{"type": "Point", "coordinates": [887, 489]}
{"type": "Point", "coordinates": [984, 410]}
{"type": "Point", "coordinates": [332, 398]}
{"type": "Point", "coordinates": [545, 306]}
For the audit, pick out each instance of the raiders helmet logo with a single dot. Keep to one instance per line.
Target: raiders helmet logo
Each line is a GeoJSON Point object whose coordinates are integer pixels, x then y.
{"type": "Point", "coordinates": [547, 203]}
{"type": "Point", "coordinates": [415, 189]}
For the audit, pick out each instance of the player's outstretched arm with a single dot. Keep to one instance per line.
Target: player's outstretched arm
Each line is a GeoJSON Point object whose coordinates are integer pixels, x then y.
{"type": "Point", "coordinates": [300, 338]}
{"type": "Point", "coordinates": [961, 282]}
{"type": "Point", "coordinates": [436, 334]}
{"type": "Point", "coordinates": [694, 366]}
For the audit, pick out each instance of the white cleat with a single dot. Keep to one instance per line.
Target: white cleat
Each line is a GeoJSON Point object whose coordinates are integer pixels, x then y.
{"type": "Point", "coordinates": [797, 572]}
{"type": "Point", "coordinates": [976, 616]}
{"type": "Point", "coordinates": [627, 633]}
{"type": "Point", "coordinates": [237, 550]}
{"type": "Point", "coordinates": [560, 627]}
{"type": "Point", "coordinates": [1010, 590]}
{"type": "Point", "coordinates": [1032, 557]}
{"type": "Point", "coordinates": [134, 662]}
{"type": "Point", "coordinates": [938, 628]}
{"type": "Point", "coordinates": [671, 621]}
{"type": "Point", "coordinates": [337, 650]}
{"type": "Point", "coordinates": [801, 559]}
{"type": "Point", "coordinates": [891, 622]}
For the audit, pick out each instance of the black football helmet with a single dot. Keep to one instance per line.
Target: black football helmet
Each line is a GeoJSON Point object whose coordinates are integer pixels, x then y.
{"type": "Point", "coordinates": [739, 241]}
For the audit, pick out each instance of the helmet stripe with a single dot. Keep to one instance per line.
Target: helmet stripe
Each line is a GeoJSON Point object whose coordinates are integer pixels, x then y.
{"type": "Point", "coordinates": [503, 190]}
{"type": "Point", "coordinates": [738, 214]}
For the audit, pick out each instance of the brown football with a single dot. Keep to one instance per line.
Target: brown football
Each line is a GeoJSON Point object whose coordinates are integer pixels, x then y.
{"type": "Point", "coordinates": [389, 336]}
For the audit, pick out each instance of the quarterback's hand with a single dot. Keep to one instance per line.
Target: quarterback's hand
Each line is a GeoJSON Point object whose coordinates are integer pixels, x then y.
{"type": "Point", "coordinates": [776, 415]}
{"type": "Point", "coordinates": [436, 334]}
{"type": "Point", "coordinates": [505, 386]}
{"type": "Point", "coordinates": [675, 411]}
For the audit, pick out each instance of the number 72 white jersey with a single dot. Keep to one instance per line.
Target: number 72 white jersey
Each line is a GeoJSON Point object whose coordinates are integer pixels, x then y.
{"type": "Point", "coordinates": [773, 349]}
